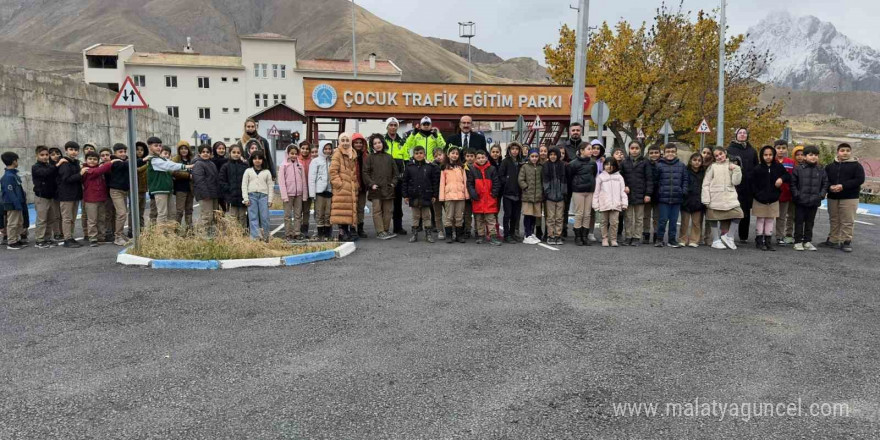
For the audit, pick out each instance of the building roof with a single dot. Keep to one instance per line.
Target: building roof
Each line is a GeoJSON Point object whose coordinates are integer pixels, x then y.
{"type": "Point", "coordinates": [278, 112]}
{"type": "Point", "coordinates": [106, 50]}
{"type": "Point", "coordinates": [181, 59]}
{"type": "Point", "coordinates": [383, 67]}
{"type": "Point", "coordinates": [266, 36]}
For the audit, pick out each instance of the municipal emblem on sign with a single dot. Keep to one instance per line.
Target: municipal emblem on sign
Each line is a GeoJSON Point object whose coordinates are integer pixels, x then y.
{"type": "Point", "coordinates": [324, 96]}
{"type": "Point", "coordinates": [274, 131]}
{"type": "Point", "coordinates": [704, 128]}
{"type": "Point", "coordinates": [641, 135]}
{"type": "Point", "coordinates": [129, 96]}
{"type": "Point", "coordinates": [537, 124]}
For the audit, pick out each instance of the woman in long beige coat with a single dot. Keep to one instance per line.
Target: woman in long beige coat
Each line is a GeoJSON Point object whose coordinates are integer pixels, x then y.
{"type": "Point", "coordinates": [344, 181]}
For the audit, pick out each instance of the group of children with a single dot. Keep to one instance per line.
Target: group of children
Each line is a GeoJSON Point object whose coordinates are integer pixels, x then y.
{"type": "Point", "coordinates": [634, 194]}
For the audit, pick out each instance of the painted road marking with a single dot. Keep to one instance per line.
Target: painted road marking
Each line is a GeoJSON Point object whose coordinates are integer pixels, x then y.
{"type": "Point", "coordinates": [547, 246]}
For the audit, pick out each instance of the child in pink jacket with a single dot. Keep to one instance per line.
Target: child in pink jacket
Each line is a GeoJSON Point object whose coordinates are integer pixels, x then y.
{"type": "Point", "coordinates": [609, 200]}
{"type": "Point", "coordinates": [293, 188]}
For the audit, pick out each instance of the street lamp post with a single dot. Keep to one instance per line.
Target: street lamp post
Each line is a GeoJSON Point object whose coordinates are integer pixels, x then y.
{"type": "Point", "coordinates": [354, 62]}
{"type": "Point", "coordinates": [468, 29]}
{"type": "Point", "coordinates": [580, 63]}
{"type": "Point", "coordinates": [719, 134]}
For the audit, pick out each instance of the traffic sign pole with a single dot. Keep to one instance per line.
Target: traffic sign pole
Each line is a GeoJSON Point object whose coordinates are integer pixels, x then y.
{"type": "Point", "coordinates": [135, 217]}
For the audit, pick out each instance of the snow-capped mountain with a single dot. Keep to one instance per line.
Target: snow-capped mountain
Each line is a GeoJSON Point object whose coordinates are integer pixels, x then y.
{"type": "Point", "coordinates": [809, 54]}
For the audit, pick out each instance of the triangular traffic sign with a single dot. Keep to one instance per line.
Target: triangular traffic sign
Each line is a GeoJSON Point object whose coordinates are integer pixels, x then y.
{"type": "Point", "coordinates": [641, 135]}
{"type": "Point", "coordinates": [666, 129]}
{"type": "Point", "coordinates": [274, 131]}
{"type": "Point", "coordinates": [704, 128]}
{"type": "Point", "coordinates": [129, 96]}
{"type": "Point", "coordinates": [537, 124]}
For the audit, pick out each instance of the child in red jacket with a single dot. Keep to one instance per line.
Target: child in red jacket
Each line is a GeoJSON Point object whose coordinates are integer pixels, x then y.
{"type": "Point", "coordinates": [484, 188]}
{"type": "Point", "coordinates": [95, 192]}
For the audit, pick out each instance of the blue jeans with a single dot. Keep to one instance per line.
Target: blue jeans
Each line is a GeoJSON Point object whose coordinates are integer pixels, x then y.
{"type": "Point", "coordinates": [258, 214]}
{"type": "Point", "coordinates": [668, 214]}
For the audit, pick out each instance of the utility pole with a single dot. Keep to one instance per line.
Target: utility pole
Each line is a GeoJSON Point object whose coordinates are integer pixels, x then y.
{"type": "Point", "coordinates": [722, 25]}
{"type": "Point", "coordinates": [354, 60]}
{"type": "Point", "coordinates": [580, 62]}
{"type": "Point", "coordinates": [468, 29]}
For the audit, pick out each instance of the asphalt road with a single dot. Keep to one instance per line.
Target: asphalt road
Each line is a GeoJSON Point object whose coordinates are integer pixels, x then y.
{"type": "Point", "coordinates": [413, 341]}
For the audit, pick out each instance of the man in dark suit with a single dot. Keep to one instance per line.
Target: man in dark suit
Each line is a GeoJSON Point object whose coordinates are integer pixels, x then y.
{"type": "Point", "coordinates": [468, 138]}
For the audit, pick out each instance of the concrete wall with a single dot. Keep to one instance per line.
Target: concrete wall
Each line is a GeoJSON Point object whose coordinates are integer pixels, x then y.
{"type": "Point", "coordinates": [38, 108]}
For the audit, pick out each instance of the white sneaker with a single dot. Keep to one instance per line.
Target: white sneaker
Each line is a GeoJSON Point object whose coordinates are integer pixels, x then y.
{"type": "Point", "coordinates": [591, 237]}
{"type": "Point", "coordinates": [693, 245]}
{"type": "Point", "coordinates": [728, 242]}
{"type": "Point", "coordinates": [717, 244]}
{"type": "Point", "coordinates": [531, 239]}
{"type": "Point", "coordinates": [809, 246]}
{"type": "Point", "coordinates": [798, 246]}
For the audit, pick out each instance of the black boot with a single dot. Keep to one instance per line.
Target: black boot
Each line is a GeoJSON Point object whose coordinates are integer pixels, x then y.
{"type": "Point", "coordinates": [646, 238]}
{"type": "Point", "coordinates": [586, 236]}
{"type": "Point", "coordinates": [759, 242]}
{"type": "Point", "coordinates": [579, 236]}
{"type": "Point", "coordinates": [415, 235]}
{"type": "Point", "coordinates": [459, 234]}
{"type": "Point", "coordinates": [449, 237]}
{"type": "Point", "coordinates": [304, 230]}
{"type": "Point", "coordinates": [768, 243]}
{"type": "Point", "coordinates": [360, 231]}
{"type": "Point", "coordinates": [565, 227]}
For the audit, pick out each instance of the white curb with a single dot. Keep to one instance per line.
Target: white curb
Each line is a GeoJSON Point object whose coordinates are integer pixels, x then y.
{"type": "Point", "coordinates": [250, 262]}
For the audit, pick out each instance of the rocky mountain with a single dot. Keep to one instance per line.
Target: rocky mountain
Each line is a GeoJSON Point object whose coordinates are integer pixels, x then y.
{"type": "Point", "coordinates": [809, 54]}
{"type": "Point", "coordinates": [322, 30]}
{"type": "Point", "coordinates": [522, 68]}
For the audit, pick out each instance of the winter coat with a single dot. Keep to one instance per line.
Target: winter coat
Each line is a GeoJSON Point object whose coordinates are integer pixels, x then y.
{"type": "Point", "coordinates": [484, 187]}
{"type": "Point", "coordinates": [254, 181]}
{"type": "Point", "coordinates": [572, 149]}
{"type": "Point", "coordinates": [785, 191]}
{"type": "Point", "coordinates": [218, 160]}
{"type": "Point", "coordinates": [421, 183]}
{"type": "Point", "coordinates": [69, 181]}
{"type": "Point", "coordinates": [692, 202]}
{"type": "Point", "coordinates": [531, 181]}
{"type": "Point", "coordinates": [361, 157]}
{"type": "Point", "coordinates": [206, 180]}
{"type": "Point", "coordinates": [269, 163]}
{"type": "Point", "coordinates": [306, 163]}
{"type": "Point", "coordinates": [319, 176]}
{"type": "Point", "coordinates": [672, 176]}
{"type": "Point", "coordinates": [182, 179]}
{"type": "Point", "coordinates": [430, 140]}
{"type": "Point", "coordinates": [850, 174]}
{"type": "Point", "coordinates": [655, 182]}
{"type": "Point", "coordinates": [45, 177]}
{"type": "Point", "coordinates": [95, 184]}
{"type": "Point", "coordinates": [142, 166]}
{"type": "Point", "coordinates": [159, 178]}
{"type": "Point", "coordinates": [292, 180]}
{"type": "Point", "coordinates": [508, 173]}
{"type": "Point", "coordinates": [809, 185]}
{"type": "Point", "coordinates": [231, 175]}
{"type": "Point", "coordinates": [638, 176]}
{"type": "Point", "coordinates": [762, 182]}
{"type": "Point", "coordinates": [13, 197]}
{"type": "Point", "coordinates": [380, 170]}
{"type": "Point", "coordinates": [453, 184]}
{"type": "Point", "coordinates": [748, 158]}
{"type": "Point", "coordinates": [610, 194]}
{"type": "Point", "coordinates": [581, 176]}
{"type": "Point", "coordinates": [719, 186]}
{"type": "Point", "coordinates": [344, 179]}
{"type": "Point", "coordinates": [118, 176]}
{"type": "Point", "coordinates": [554, 181]}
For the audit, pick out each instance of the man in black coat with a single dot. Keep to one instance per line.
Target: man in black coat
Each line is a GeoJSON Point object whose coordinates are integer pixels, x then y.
{"type": "Point", "coordinates": [748, 159]}
{"type": "Point", "coordinates": [468, 138]}
{"type": "Point", "coordinates": [572, 147]}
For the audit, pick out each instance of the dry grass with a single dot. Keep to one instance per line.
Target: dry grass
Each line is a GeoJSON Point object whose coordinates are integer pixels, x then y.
{"type": "Point", "coordinates": [230, 242]}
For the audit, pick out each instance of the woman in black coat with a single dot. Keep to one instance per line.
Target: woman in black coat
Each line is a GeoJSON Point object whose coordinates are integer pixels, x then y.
{"type": "Point", "coordinates": [748, 159]}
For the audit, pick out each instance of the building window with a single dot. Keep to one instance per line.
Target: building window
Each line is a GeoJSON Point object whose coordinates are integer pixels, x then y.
{"type": "Point", "coordinates": [224, 79]}
{"type": "Point", "coordinates": [261, 70]}
{"type": "Point", "coordinates": [283, 71]}
{"type": "Point", "coordinates": [204, 113]}
{"type": "Point", "coordinates": [257, 99]}
{"type": "Point", "coordinates": [274, 99]}
{"type": "Point", "coordinates": [235, 80]}
{"type": "Point", "coordinates": [274, 71]}
{"type": "Point", "coordinates": [204, 82]}
{"type": "Point", "coordinates": [173, 111]}
{"type": "Point", "coordinates": [256, 70]}
{"type": "Point", "coordinates": [284, 99]}
{"type": "Point", "coordinates": [265, 100]}
{"type": "Point", "coordinates": [265, 70]}
{"type": "Point", "coordinates": [171, 81]}
{"type": "Point", "coordinates": [225, 139]}
{"type": "Point", "coordinates": [235, 110]}
{"type": "Point", "coordinates": [139, 80]}
{"type": "Point", "coordinates": [225, 109]}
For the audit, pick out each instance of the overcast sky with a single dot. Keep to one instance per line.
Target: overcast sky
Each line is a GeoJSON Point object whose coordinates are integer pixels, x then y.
{"type": "Point", "coordinates": [514, 28]}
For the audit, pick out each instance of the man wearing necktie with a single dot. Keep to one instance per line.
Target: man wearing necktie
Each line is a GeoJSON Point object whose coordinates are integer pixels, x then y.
{"type": "Point", "coordinates": [468, 138]}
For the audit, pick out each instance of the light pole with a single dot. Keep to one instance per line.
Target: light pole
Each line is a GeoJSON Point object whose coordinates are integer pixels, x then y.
{"type": "Point", "coordinates": [719, 134]}
{"type": "Point", "coordinates": [468, 29]}
{"type": "Point", "coordinates": [580, 63]}
{"type": "Point", "coordinates": [354, 63]}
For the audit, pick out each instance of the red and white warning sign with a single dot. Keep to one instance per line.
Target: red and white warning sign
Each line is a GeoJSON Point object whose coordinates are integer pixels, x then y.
{"type": "Point", "coordinates": [129, 96]}
{"type": "Point", "coordinates": [704, 128]}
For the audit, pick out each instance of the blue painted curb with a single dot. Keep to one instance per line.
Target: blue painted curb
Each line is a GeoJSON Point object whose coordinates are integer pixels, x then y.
{"type": "Point", "coordinates": [186, 264]}
{"type": "Point", "coordinates": [276, 212]}
{"type": "Point", "coordinates": [294, 260]}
